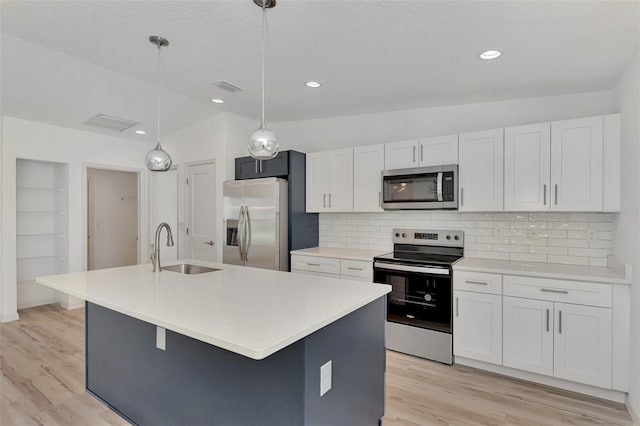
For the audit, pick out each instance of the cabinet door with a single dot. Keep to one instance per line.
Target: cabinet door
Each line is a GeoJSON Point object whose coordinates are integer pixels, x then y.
{"type": "Point", "coordinates": [528, 335]}
{"type": "Point", "coordinates": [477, 326]}
{"type": "Point", "coordinates": [481, 170]}
{"type": "Point", "coordinates": [527, 167]}
{"type": "Point", "coordinates": [368, 163]}
{"type": "Point", "coordinates": [439, 151]}
{"type": "Point", "coordinates": [401, 155]}
{"type": "Point", "coordinates": [317, 183]}
{"type": "Point", "coordinates": [340, 197]}
{"type": "Point", "coordinates": [576, 164]}
{"type": "Point", "coordinates": [247, 168]}
{"type": "Point", "coordinates": [583, 344]}
{"type": "Point", "coordinates": [277, 167]}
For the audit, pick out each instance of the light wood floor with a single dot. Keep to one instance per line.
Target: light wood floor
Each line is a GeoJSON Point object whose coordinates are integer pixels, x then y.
{"type": "Point", "coordinates": [42, 383]}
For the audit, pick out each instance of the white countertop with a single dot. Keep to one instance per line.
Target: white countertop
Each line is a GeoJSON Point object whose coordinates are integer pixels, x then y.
{"type": "Point", "coordinates": [340, 253]}
{"type": "Point", "coordinates": [249, 311]}
{"type": "Point", "coordinates": [543, 270]}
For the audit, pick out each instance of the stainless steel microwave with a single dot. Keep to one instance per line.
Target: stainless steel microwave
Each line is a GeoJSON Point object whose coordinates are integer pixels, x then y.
{"type": "Point", "coordinates": [420, 188]}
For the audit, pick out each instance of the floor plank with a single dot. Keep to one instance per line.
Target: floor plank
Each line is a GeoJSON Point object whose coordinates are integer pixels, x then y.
{"type": "Point", "coordinates": [42, 383]}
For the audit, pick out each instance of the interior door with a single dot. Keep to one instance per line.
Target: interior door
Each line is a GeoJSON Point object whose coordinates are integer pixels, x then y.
{"type": "Point", "coordinates": [201, 229]}
{"type": "Point", "coordinates": [527, 171]}
{"type": "Point", "coordinates": [528, 335]}
{"type": "Point", "coordinates": [262, 204]}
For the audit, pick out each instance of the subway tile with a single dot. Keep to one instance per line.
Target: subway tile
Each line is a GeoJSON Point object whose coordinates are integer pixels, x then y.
{"type": "Point", "coordinates": [529, 225]}
{"type": "Point", "coordinates": [508, 248]}
{"type": "Point", "coordinates": [589, 252]}
{"type": "Point", "coordinates": [476, 216]}
{"type": "Point", "coordinates": [602, 226]}
{"type": "Point", "coordinates": [589, 217]}
{"type": "Point", "coordinates": [579, 235]}
{"type": "Point", "coordinates": [568, 260]}
{"type": "Point", "coordinates": [511, 216]}
{"type": "Point", "coordinates": [461, 224]}
{"type": "Point", "coordinates": [565, 242]}
{"type": "Point", "coordinates": [445, 216]}
{"type": "Point", "coordinates": [491, 240]}
{"type": "Point", "coordinates": [569, 226]}
{"type": "Point", "coordinates": [478, 247]}
{"type": "Point", "coordinates": [521, 257]}
{"type": "Point", "coordinates": [528, 241]}
{"type": "Point", "coordinates": [493, 224]}
{"type": "Point", "coordinates": [546, 233]}
{"type": "Point", "coordinates": [547, 217]}
{"type": "Point", "coordinates": [479, 231]}
{"type": "Point", "coordinates": [492, 255]}
{"type": "Point", "coordinates": [601, 244]}
{"type": "Point", "coordinates": [598, 261]}
{"type": "Point", "coordinates": [605, 235]}
{"type": "Point", "coordinates": [560, 251]}
{"type": "Point", "coordinates": [511, 233]}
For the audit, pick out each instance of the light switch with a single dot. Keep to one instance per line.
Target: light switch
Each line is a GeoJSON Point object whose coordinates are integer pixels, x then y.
{"type": "Point", "coordinates": [325, 378]}
{"type": "Point", "coordinates": [161, 338]}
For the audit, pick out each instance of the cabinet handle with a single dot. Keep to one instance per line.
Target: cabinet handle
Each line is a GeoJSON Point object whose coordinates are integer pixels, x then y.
{"type": "Point", "coordinates": [313, 264]}
{"type": "Point", "coordinates": [556, 187]}
{"type": "Point", "coordinates": [559, 322]}
{"type": "Point", "coordinates": [457, 309]}
{"type": "Point", "coordinates": [545, 194]}
{"type": "Point", "coordinates": [380, 198]}
{"type": "Point", "coordinates": [256, 166]}
{"type": "Point", "coordinates": [553, 290]}
{"type": "Point", "coordinates": [421, 152]}
{"type": "Point", "coordinates": [547, 320]}
{"type": "Point", "coordinates": [477, 282]}
{"type": "Point", "coordinates": [355, 269]}
{"type": "Point", "coordinates": [462, 196]}
{"type": "Point", "coordinates": [329, 200]}
{"type": "Point", "coordinates": [414, 153]}
{"type": "Point", "coordinates": [324, 200]}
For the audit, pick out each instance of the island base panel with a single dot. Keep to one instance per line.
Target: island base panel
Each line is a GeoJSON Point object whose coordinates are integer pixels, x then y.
{"type": "Point", "coordinates": [195, 383]}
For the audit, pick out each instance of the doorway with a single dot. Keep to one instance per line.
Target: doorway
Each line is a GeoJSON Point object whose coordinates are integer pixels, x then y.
{"type": "Point", "coordinates": [201, 212]}
{"type": "Point", "coordinates": [112, 218]}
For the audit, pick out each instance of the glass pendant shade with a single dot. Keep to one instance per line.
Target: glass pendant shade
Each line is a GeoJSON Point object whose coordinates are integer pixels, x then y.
{"type": "Point", "coordinates": [263, 144]}
{"type": "Point", "coordinates": [158, 160]}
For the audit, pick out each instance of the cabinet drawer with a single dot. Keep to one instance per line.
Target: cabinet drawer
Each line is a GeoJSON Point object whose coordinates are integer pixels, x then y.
{"type": "Point", "coordinates": [576, 292]}
{"type": "Point", "coordinates": [317, 274]}
{"type": "Point", "coordinates": [316, 264]}
{"type": "Point", "coordinates": [478, 282]}
{"type": "Point", "coordinates": [357, 268]}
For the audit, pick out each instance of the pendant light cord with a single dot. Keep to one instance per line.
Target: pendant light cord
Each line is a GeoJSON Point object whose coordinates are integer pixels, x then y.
{"type": "Point", "coordinates": [264, 24]}
{"type": "Point", "coordinates": [158, 96]}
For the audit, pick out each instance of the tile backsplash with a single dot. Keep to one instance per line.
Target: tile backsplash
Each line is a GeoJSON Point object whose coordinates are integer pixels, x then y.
{"type": "Point", "coordinates": [570, 238]}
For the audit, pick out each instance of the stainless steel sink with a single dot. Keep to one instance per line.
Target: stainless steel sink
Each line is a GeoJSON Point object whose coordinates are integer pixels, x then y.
{"type": "Point", "coordinates": [186, 268]}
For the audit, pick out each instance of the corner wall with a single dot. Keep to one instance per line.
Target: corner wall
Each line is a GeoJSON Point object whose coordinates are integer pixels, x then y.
{"type": "Point", "coordinates": [627, 232]}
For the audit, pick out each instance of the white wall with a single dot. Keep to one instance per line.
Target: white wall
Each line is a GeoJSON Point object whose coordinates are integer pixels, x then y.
{"type": "Point", "coordinates": [114, 230]}
{"type": "Point", "coordinates": [627, 233]}
{"type": "Point", "coordinates": [367, 129]}
{"type": "Point", "coordinates": [38, 141]}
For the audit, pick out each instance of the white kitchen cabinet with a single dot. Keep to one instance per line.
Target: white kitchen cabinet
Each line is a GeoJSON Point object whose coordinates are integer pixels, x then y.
{"type": "Point", "coordinates": [481, 157]}
{"type": "Point", "coordinates": [330, 181]}
{"type": "Point", "coordinates": [477, 326]}
{"type": "Point", "coordinates": [401, 155]}
{"type": "Point", "coordinates": [438, 151]}
{"type": "Point", "coordinates": [577, 164]}
{"type": "Point", "coordinates": [582, 344]}
{"type": "Point", "coordinates": [528, 335]}
{"type": "Point", "coordinates": [346, 269]}
{"type": "Point", "coordinates": [368, 163]}
{"type": "Point", "coordinates": [527, 167]}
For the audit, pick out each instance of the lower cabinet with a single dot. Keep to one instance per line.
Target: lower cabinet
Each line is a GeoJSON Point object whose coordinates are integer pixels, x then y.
{"type": "Point", "coordinates": [346, 269]}
{"type": "Point", "coordinates": [477, 326]}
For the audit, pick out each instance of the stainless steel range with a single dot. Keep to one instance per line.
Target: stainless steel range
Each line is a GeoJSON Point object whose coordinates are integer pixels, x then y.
{"type": "Point", "coordinates": [419, 307]}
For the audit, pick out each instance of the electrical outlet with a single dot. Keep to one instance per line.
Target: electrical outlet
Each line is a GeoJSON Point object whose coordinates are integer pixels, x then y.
{"type": "Point", "coordinates": [161, 338]}
{"type": "Point", "coordinates": [325, 378]}
{"type": "Point", "coordinates": [592, 234]}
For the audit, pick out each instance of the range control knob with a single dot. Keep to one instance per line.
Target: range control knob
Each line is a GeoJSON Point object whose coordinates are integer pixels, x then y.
{"type": "Point", "coordinates": [456, 238]}
{"type": "Point", "coordinates": [404, 235]}
{"type": "Point", "coordinates": [397, 234]}
{"type": "Point", "coordinates": [448, 237]}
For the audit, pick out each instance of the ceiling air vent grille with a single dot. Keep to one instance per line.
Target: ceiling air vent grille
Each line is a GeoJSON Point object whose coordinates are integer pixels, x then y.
{"type": "Point", "coordinates": [111, 123]}
{"type": "Point", "coordinates": [225, 85]}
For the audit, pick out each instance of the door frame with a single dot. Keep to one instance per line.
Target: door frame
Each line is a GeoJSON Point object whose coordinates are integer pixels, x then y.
{"type": "Point", "coordinates": [187, 208]}
{"type": "Point", "coordinates": [142, 206]}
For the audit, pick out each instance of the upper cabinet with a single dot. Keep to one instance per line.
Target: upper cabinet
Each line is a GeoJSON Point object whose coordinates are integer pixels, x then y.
{"type": "Point", "coordinates": [527, 167]}
{"type": "Point", "coordinates": [330, 181]}
{"type": "Point", "coordinates": [368, 163]}
{"type": "Point", "coordinates": [481, 171]}
{"type": "Point", "coordinates": [436, 151]}
{"type": "Point", "coordinates": [577, 164]}
{"type": "Point", "coordinates": [250, 168]}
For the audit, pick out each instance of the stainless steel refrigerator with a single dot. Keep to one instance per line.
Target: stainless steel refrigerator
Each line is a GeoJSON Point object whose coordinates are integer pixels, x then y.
{"type": "Point", "coordinates": [256, 223]}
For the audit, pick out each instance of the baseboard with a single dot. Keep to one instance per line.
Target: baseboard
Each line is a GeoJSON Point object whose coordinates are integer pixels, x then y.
{"type": "Point", "coordinates": [72, 305]}
{"type": "Point", "coordinates": [608, 394]}
{"type": "Point", "coordinates": [33, 303]}
{"type": "Point", "coordinates": [635, 413]}
{"type": "Point", "coordinates": [10, 317]}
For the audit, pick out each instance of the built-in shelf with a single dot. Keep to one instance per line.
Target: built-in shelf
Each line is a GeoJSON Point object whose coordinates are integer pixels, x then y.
{"type": "Point", "coordinates": [41, 258]}
{"type": "Point", "coordinates": [41, 235]}
{"type": "Point", "coordinates": [39, 212]}
{"type": "Point", "coordinates": [39, 188]}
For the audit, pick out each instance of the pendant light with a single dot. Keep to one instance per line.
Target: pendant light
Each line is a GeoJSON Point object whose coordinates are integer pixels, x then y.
{"type": "Point", "coordinates": [263, 144]}
{"type": "Point", "coordinates": [158, 160]}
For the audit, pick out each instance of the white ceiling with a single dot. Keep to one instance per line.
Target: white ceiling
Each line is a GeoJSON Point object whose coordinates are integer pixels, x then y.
{"type": "Point", "coordinates": [371, 56]}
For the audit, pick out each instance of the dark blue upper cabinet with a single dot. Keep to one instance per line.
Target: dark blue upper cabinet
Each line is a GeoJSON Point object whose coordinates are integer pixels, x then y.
{"type": "Point", "coordinates": [249, 168]}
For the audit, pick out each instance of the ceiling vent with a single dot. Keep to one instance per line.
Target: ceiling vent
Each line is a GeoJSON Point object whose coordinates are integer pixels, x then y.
{"type": "Point", "coordinates": [111, 123]}
{"type": "Point", "coordinates": [225, 85]}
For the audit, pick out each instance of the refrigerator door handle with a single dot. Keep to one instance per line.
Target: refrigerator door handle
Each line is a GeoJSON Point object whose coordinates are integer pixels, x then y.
{"type": "Point", "coordinates": [247, 235]}
{"type": "Point", "coordinates": [241, 233]}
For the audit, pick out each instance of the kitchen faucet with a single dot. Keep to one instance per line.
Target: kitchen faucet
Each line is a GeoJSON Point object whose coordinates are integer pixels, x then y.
{"type": "Point", "coordinates": [155, 256]}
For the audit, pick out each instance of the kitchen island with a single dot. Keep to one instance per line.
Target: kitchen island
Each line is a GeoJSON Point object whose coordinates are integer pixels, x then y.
{"type": "Point", "coordinates": [236, 346]}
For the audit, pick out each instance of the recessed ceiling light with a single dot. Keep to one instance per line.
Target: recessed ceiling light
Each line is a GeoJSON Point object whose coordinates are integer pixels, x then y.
{"type": "Point", "coordinates": [490, 54]}
{"type": "Point", "coordinates": [217, 101]}
{"type": "Point", "coordinates": [141, 132]}
{"type": "Point", "coordinates": [313, 84]}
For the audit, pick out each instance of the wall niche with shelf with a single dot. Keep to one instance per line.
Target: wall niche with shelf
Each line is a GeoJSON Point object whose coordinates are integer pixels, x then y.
{"type": "Point", "coordinates": [41, 228]}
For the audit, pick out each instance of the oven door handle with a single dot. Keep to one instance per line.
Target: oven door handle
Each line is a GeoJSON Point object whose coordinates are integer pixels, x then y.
{"type": "Point", "coordinates": [406, 268]}
{"type": "Point", "coordinates": [439, 185]}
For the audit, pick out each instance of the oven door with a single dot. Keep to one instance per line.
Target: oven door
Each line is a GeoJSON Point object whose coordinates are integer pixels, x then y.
{"type": "Point", "coordinates": [417, 188]}
{"type": "Point", "coordinates": [420, 296]}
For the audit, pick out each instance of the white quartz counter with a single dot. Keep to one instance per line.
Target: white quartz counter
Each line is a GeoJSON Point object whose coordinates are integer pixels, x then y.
{"type": "Point", "coordinates": [543, 270]}
{"type": "Point", "coordinates": [340, 253]}
{"type": "Point", "coordinates": [249, 311]}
